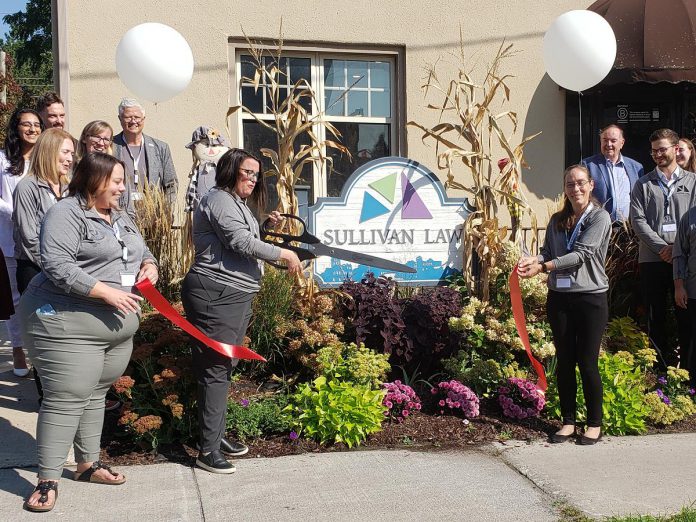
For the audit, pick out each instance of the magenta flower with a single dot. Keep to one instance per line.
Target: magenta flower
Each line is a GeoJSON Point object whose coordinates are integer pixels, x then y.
{"type": "Point", "coordinates": [520, 399]}
{"type": "Point", "coordinates": [293, 435]}
{"type": "Point", "coordinates": [244, 403]}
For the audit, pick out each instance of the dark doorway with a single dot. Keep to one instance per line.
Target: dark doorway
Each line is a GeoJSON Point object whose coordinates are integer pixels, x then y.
{"type": "Point", "coordinates": [638, 108]}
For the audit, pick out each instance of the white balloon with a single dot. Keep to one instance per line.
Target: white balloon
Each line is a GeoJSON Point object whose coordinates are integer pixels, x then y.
{"type": "Point", "coordinates": [579, 50]}
{"type": "Point", "coordinates": [154, 61]}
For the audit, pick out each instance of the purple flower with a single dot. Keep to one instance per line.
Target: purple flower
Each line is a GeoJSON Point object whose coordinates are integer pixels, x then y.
{"type": "Point", "coordinates": [692, 391]}
{"type": "Point", "coordinates": [662, 380]}
{"type": "Point", "coordinates": [244, 403]}
{"type": "Point", "coordinates": [293, 435]}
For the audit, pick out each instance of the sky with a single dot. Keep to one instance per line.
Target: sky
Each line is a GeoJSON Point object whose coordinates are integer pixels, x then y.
{"type": "Point", "coordinates": [9, 7]}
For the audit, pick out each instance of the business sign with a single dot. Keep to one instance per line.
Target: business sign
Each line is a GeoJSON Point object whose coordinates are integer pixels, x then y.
{"type": "Point", "coordinates": [397, 209]}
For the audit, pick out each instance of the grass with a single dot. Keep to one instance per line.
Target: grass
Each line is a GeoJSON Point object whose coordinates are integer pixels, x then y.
{"type": "Point", "coordinates": [569, 513]}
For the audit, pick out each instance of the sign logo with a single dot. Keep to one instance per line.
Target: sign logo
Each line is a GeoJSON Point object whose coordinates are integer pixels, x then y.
{"type": "Point", "coordinates": [397, 209]}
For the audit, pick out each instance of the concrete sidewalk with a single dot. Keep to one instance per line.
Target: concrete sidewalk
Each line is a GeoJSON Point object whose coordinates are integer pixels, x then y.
{"type": "Point", "coordinates": [506, 482]}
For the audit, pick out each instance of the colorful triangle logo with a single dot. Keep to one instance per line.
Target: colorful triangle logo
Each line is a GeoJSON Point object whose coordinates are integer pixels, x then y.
{"type": "Point", "coordinates": [385, 186]}
{"type": "Point", "coordinates": [412, 205]}
{"type": "Point", "coordinates": [371, 208]}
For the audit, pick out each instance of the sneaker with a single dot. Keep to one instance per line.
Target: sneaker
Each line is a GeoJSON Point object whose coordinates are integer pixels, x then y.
{"type": "Point", "coordinates": [232, 448]}
{"type": "Point", "coordinates": [215, 462]}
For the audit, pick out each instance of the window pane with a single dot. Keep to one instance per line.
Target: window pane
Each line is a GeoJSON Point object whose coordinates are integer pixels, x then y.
{"type": "Point", "coordinates": [334, 73]}
{"type": "Point", "coordinates": [248, 67]}
{"type": "Point", "coordinates": [300, 69]}
{"type": "Point", "coordinates": [381, 104]}
{"type": "Point", "coordinates": [365, 141]}
{"type": "Point", "coordinates": [334, 106]}
{"type": "Point", "coordinates": [357, 103]}
{"type": "Point", "coordinates": [379, 75]}
{"type": "Point", "coordinates": [252, 100]}
{"type": "Point", "coordinates": [255, 138]}
{"type": "Point", "coordinates": [357, 72]}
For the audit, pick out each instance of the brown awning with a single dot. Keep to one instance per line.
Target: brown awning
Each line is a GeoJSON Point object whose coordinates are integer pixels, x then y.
{"type": "Point", "coordinates": [656, 39]}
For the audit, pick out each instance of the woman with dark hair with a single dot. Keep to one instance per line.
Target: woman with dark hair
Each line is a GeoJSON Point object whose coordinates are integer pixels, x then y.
{"type": "Point", "coordinates": [80, 316]}
{"type": "Point", "coordinates": [686, 158]}
{"type": "Point", "coordinates": [23, 130]}
{"type": "Point", "coordinates": [218, 290]}
{"type": "Point", "coordinates": [573, 255]}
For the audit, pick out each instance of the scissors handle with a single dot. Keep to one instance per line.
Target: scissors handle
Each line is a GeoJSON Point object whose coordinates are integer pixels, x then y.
{"type": "Point", "coordinates": [287, 240]}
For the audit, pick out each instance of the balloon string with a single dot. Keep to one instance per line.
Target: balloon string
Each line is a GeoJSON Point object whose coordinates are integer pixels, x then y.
{"type": "Point", "coordinates": [580, 122]}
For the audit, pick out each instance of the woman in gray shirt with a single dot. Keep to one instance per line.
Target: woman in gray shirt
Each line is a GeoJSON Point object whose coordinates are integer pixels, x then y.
{"type": "Point", "coordinates": [80, 314]}
{"type": "Point", "coordinates": [219, 288]}
{"type": "Point", "coordinates": [573, 255]}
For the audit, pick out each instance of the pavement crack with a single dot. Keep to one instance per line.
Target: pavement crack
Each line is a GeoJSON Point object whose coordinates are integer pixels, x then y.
{"type": "Point", "coordinates": [198, 493]}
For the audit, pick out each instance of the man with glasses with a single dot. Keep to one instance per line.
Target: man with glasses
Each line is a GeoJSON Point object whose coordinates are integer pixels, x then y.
{"type": "Point", "coordinates": [658, 201]}
{"type": "Point", "coordinates": [614, 175]}
{"type": "Point", "coordinates": [147, 159]}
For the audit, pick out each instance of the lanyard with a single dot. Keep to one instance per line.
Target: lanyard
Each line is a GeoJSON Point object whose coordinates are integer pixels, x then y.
{"type": "Point", "coordinates": [124, 249]}
{"type": "Point", "coordinates": [136, 161]}
{"type": "Point", "coordinates": [667, 191]}
{"type": "Point", "coordinates": [576, 230]}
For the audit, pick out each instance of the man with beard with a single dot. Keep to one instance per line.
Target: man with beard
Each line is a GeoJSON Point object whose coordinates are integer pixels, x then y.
{"type": "Point", "coordinates": [658, 201]}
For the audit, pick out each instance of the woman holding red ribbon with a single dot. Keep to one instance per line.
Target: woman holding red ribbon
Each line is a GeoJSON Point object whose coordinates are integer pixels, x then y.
{"type": "Point", "coordinates": [219, 288]}
{"type": "Point", "coordinates": [80, 314]}
{"type": "Point", "coordinates": [573, 255]}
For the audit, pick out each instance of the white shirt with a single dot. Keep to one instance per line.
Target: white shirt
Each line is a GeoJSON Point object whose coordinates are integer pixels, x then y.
{"type": "Point", "coordinates": [8, 182]}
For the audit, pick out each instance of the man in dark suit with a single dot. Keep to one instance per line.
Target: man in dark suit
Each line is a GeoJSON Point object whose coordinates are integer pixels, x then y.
{"type": "Point", "coordinates": [147, 159]}
{"type": "Point", "coordinates": [614, 175]}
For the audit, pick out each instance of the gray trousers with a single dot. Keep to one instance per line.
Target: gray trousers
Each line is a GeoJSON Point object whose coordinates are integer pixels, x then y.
{"type": "Point", "coordinates": [80, 350]}
{"type": "Point", "coordinates": [223, 314]}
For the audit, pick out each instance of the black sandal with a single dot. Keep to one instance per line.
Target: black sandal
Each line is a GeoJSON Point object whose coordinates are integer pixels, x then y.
{"type": "Point", "coordinates": [43, 487]}
{"type": "Point", "coordinates": [88, 475]}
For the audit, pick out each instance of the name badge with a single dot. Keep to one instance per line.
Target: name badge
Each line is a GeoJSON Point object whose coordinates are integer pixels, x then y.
{"type": "Point", "coordinates": [127, 279]}
{"type": "Point", "coordinates": [563, 282]}
{"type": "Point", "coordinates": [669, 227]}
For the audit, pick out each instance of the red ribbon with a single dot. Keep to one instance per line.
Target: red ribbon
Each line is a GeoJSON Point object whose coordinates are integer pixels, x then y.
{"type": "Point", "coordinates": [163, 306]}
{"type": "Point", "coordinates": [521, 324]}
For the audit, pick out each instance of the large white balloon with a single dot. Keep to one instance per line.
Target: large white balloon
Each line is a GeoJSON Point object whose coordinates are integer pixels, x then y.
{"type": "Point", "coordinates": [154, 61]}
{"type": "Point", "coordinates": [579, 50]}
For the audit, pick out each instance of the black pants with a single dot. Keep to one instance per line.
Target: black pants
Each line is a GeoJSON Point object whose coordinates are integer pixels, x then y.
{"type": "Point", "coordinates": [223, 314]}
{"type": "Point", "coordinates": [26, 270]}
{"type": "Point", "coordinates": [578, 321]}
{"type": "Point", "coordinates": [657, 285]}
{"type": "Point", "coordinates": [691, 355]}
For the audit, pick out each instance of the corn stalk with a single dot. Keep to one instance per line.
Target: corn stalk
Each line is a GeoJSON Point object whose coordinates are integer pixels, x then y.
{"type": "Point", "coordinates": [468, 129]}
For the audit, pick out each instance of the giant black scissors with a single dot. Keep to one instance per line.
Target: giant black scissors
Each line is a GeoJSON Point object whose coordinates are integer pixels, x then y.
{"type": "Point", "coordinates": [313, 248]}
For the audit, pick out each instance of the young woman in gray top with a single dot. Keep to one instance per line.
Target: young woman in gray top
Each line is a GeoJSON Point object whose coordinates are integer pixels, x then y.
{"type": "Point", "coordinates": [219, 288]}
{"type": "Point", "coordinates": [573, 254]}
{"type": "Point", "coordinates": [80, 316]}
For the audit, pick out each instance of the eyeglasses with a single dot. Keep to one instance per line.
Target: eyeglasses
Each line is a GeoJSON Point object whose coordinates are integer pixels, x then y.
{"type": "Point", "coordinates": [30, 124]}
{"type": "Point", "coordinates": [134, 119]}
{"type": "Point", "coordinates": [251, 175]}
{"type": "Point", "coordinates": [660, 151]}
{"type": "Point", "coordinates": [579, 184]}
{"type": "Point", "coordinates": [100, 139]}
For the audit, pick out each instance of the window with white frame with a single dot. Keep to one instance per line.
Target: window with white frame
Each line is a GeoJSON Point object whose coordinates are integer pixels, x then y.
{"type": "Point", "coordinates": [357, 94]}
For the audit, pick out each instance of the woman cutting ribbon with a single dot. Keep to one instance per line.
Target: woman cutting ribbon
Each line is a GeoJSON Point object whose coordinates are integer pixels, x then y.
{"type": "Point", "coordinates": [573, 255]}
{"type": "Point", "coordinates": [218, 290]}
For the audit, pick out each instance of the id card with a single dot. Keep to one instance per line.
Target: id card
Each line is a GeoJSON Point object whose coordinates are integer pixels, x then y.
{"type": "Point", "coordinates": [563, 282]}
{"type": "Point", "coordinates": [669, 227]}
{"type": "Point", "coordinates": [127, 279]}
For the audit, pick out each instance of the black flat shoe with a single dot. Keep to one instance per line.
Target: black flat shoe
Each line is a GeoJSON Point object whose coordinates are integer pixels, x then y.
{"type": "Point", "coordinates": [215, 462]}
{"type": "Point", "coordinates": [556, 438]}
{"type": "Point", "coordinates": [588, 441]}
{"type": "Point", "coordinates": [232, 448]}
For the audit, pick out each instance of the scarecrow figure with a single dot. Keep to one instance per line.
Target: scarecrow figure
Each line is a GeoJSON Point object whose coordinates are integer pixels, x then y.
{"type": "Point", "coordinates": [207, 147]}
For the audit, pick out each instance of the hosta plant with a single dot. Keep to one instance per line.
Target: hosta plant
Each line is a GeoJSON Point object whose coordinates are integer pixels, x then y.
{"type": "Point", "coordinates": [335, 411]}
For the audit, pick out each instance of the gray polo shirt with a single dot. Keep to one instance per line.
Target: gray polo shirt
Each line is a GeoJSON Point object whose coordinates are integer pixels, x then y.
{"type": "Point", "coordinates": [227, 242]}
{"type": "Point", "coordinates": [684, 252]}
{"type": "Point", "coordinates": [583, 264]}
{"type": "Point", "coordinates": [79, 248]}
{"type": "Point", "coordinates": [648, 211]}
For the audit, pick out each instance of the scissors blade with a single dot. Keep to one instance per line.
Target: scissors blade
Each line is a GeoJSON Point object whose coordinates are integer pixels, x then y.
{"type": "Point", "coordinates": [319, 249]}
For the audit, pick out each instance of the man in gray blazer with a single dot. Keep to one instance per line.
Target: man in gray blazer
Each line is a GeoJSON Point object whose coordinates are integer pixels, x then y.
{"type": "Point", "coordinates": [147, 159]}
{"type": "Point", "coordinates": [614, 175]}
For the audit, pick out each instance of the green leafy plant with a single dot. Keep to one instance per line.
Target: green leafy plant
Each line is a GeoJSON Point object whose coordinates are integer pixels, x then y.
{"type": "Point", "coordinates": [673, 398]}
{"type": "Point", "coordinates": [334, 411]}
{"type": "Point", "coordinates": [353, 363]}
{"type": "Point", "coordinates": [484, 376]}
{"type": "Point", "coordinates": [623, 334]}
{"type": "Point", "coordinates": [624, 411]}
{"type": "Point", "coordinates": [258, 417]}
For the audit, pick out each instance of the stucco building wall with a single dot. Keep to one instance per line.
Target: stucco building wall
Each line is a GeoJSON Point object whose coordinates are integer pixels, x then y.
{"type": "Point", "coordinates": [425, 30]}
